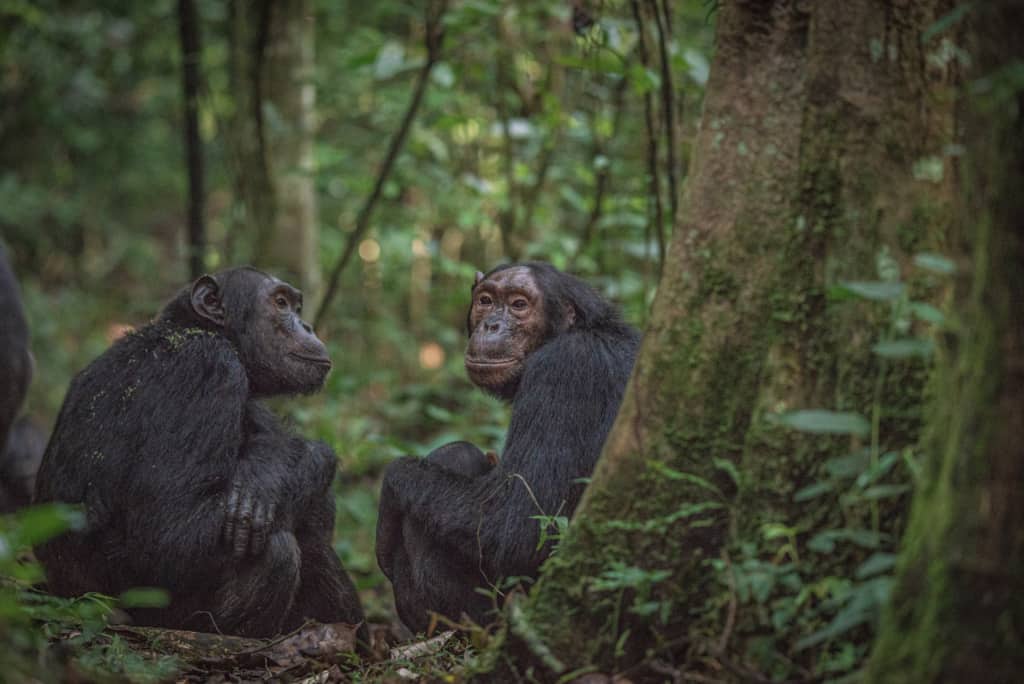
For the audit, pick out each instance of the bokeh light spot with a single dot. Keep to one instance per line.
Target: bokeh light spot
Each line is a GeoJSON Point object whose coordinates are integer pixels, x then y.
{"type": "Point", "coordinates": [369, 250]}
{"type": "Point", "coordinates": [431, 356]}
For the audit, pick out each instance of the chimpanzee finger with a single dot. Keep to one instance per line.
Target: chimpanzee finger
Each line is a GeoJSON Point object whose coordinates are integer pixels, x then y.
{"type": "Point", "coordinates": [244, 527]}
{"type": "Point", "coordinates": [230, 513]}
{"type": "Point", "coordinates": [260, 520]}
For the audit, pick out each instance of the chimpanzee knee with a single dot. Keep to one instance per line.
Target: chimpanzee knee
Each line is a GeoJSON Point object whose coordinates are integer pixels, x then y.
{"type": "Point", "coordinates": [259, 592]}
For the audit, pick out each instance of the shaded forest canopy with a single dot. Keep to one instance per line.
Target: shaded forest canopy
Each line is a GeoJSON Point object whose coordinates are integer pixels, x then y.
{"type": "Point", "coordinates": [808, 208]}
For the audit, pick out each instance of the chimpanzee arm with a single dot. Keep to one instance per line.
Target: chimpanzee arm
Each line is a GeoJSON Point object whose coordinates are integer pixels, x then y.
{"type": "Point", "coordinates": [462, 459]}
{"type": "Point", "coordinates": [279, 475]}
{"type": "Point", "coordinates": [566, 403]}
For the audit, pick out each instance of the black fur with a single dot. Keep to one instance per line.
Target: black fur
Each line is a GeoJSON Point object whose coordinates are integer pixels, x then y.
{"type": "Point", "coordinates": [15, 359]}
{"type": "Point", "coordinates": [17, 465]}
{"type": "Point", "coordinates": [153, 438]}
{"type": "Point", "coordinates": [473, 529]}
{"type": "Point", "coordinates": [26, 442]}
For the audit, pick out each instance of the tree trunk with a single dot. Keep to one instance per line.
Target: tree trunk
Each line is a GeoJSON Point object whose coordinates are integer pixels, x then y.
{"type": "Point", "coordinates": [815, 115]}
{"type": "Point", "coordinates": [292, 248]}
{"type": "Point", "coordinates": [188, 25]}
{"type": "Point", "coordinates": [254, 191]}
{"type": "Point", "coordinates": [957, 613]}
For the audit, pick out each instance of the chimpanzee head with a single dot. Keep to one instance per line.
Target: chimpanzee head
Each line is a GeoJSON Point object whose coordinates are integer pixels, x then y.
{"type": "Point", "coordinates": [516, 308]}
{"type": "Point", "coordinates": [261, 316]}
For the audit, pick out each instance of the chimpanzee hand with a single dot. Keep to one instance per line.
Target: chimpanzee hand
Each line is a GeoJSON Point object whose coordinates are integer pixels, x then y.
{"type": "Point", "coordinates": [247, 520]}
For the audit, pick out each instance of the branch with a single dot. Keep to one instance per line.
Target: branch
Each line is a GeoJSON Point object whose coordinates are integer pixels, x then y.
{"type": "Point", "coordinates": [654, 178]}
{"type": "Point", "coordinates": [433, 38]}
{"type": "Point", "coordinates": [604, 175]}
{"type": "Point", "coordinates": [668, 105]}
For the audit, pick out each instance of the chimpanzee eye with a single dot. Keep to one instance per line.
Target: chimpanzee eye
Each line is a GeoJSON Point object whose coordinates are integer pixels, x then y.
{"type": "Point", "coordinates": [485, 300]}
{"type": "Point", "coordinates": [520, 304]}
{"type": "Point", "coordinates": [281, 302]}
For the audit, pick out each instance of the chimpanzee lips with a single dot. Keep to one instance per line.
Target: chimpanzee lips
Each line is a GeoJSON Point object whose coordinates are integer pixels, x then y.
{"type": "Point", "coordinates": [491, 363]}
{"type": "Point", "coordinates": [315, 360]}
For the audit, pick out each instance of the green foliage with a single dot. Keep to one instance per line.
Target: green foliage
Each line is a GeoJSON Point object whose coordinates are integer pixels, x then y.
{"type": "Point", "coordinates": [819, 585]}
{"type": "Point", "coordinates": [29, 619]}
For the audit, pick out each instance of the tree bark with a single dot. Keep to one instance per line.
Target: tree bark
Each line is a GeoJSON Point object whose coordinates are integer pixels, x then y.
{"type": "Point", "coordinates": [255, 198]}
{"type": "Point", "coordinates": [957, 613]}
{"type": "Point", "coordinates": [814, 117]}
{"type": "Point", "coordinates": [188, 25]}
{"type": "Point", "coordinates": [288, 77]}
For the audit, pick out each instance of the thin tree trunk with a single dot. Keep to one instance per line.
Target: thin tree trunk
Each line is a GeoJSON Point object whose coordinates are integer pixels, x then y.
{"type": "Point", "coordinates": [188, 25]}
{"type": "Point", "coordinates": [255, 198]}
{"type": "Point", "coordinates": [957, 613]}
{"type": "Point", "coordinates": [291, 249]}
{"type": "Point", "coordinates": [814, 117]}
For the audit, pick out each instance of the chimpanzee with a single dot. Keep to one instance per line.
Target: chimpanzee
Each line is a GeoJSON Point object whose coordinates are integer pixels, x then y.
{"type": "Point", "coordinates": [561, 354]}
{"type": "Point", "coordinates": [188, 482]}
{"type": "Point", "coordinates": [19, 462]}
{"type": "Point", "coordinates": [15, 357]}
{"type": "Point", "coordinates": [15, 374]}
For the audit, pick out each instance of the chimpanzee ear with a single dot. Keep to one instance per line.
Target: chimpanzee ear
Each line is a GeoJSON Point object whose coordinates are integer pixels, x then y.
{"type": "Point", "coordinates": [568, 316]}
{"type": "Point", "coordinates": [476, 280]}
{"type": "Point", "coordinates": [206, 301]}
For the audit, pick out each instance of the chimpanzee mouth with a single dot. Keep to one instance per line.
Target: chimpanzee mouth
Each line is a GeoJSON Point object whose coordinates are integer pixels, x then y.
{"type": "Point", "coordinates": [315, 360]}
{"type": "Point", "coordinates": [491, 363]}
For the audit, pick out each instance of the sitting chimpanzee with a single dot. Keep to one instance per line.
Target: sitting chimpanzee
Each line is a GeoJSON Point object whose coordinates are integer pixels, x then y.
{"type": "Point", "coordinates": [450, 523]}
{"type": "Point", "coordinates": [15, 375]}
{"type": "Point", "coordinates": [188, 482]}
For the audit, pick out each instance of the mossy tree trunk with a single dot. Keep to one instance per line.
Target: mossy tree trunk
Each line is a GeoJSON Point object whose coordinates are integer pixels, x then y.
{"type": "Point", "coordinates": [819, 160]}
{"type": "Point", "coordinates": [957, 613]}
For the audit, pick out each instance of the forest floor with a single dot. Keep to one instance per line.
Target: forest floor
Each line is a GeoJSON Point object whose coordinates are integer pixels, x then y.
{"type": "Point", "coordinates": [314, 653]}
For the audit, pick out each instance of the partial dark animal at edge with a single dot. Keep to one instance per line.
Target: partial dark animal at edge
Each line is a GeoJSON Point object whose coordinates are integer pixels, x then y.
{"type": "Point", "coordinates": [189, 483]}
{"type": "Point", "coordinates": [449, 523]}
{"type": "Point", "coordinates": [20, 439]}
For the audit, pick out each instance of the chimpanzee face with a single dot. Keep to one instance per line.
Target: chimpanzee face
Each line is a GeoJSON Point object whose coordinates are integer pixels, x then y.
{"type": "Point", "coordinates": [261, 315]}
{"type": "Point", "coordinates": [507, 322]}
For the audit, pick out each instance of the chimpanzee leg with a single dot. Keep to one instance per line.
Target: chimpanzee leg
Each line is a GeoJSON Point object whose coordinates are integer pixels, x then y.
{"type": "Point", "coordinates": [326, 592]}
{"type": "Point", "coordinates": [427, 579]}
{"type": "Point", "coordinates": [260, 591]}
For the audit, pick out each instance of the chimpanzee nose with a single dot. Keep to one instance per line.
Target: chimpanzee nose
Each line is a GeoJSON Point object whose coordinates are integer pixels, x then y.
{"type": "Point", "coordinates": [492, 326]}
{"type": "Point", "coordinates": [307, 327]}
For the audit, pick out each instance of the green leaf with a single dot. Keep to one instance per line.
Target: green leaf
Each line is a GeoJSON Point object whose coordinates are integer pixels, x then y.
{"type": "Point", "coordinates": [885, 491]}
{"type": "Point", "coordinates": [927, 313]}
{"type": "Point", "coordinates": [849, 466]}
{"type": "Point", "coordinates": [875, 290]}
{"type": "Point", "coordinates": [879, 469]}
{"type": "Point", "coordinates": [145, 597]}
{"type": "Point", "coordinates": [876, 564]}
{"type": "Point", "coordinates": [908, 348]}
{"type": "Point", "coordinates": [729, 468]}
{"type": "Point", "coordinates": [813, 491]}
{"type": "Point", "coordinates": [820, 421]}
{"type": "Point", "coordinates": [946, 21]}
{"type": "Point", "coordinates": [937, 263]}
{"type": "Point", "coordinates": [36, 524]}
{"type": "Point", "coordinates": [825, 542]}
{"type": "Point", "coordinates": [673, 474]}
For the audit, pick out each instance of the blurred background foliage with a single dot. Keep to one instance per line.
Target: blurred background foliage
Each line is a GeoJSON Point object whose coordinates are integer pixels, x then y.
{"type": "Point", "coordinates": [536, 138]}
